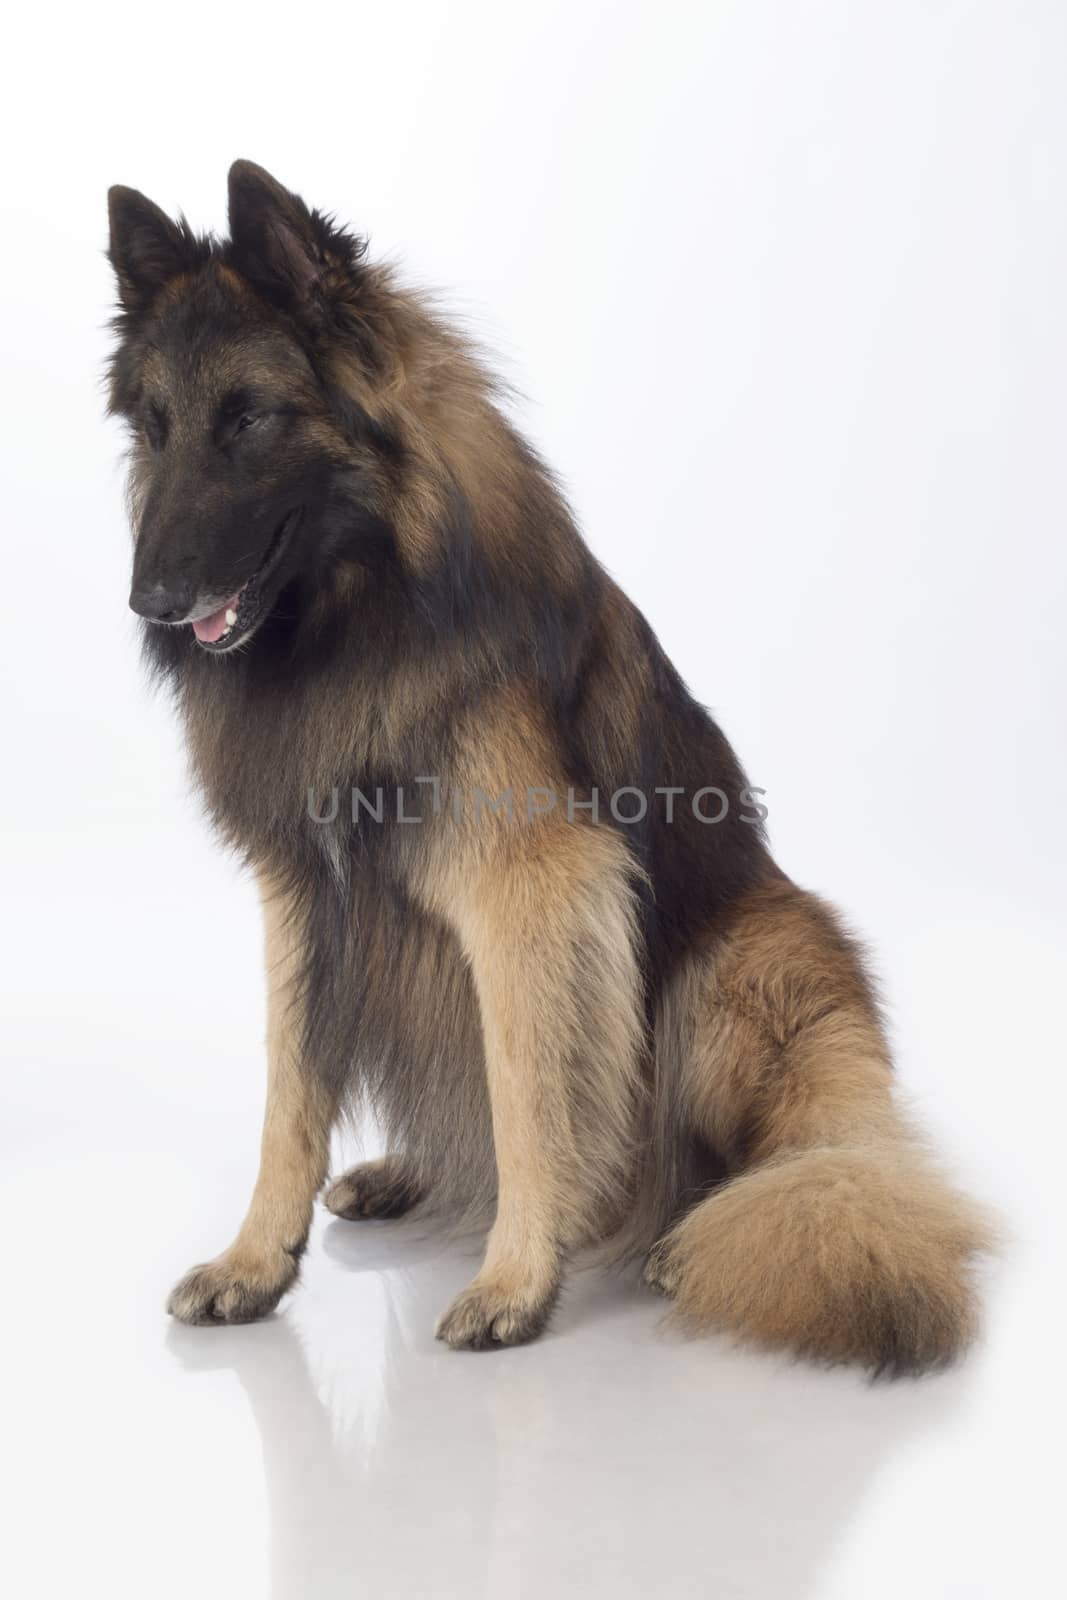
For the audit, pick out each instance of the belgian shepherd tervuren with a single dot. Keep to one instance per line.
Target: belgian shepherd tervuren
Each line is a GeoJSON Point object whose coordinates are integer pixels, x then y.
{"type": "Point", "coordinates": [518, 898]}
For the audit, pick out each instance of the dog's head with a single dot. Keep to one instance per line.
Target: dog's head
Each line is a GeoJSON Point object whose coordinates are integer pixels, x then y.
{"type": "Point", "coordinates": [250, 462]}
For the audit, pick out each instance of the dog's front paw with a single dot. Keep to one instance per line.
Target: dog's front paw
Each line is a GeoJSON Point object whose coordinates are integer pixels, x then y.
{"type": "Point", "coordinates": [489, 1314]}
{"type": "Point", "coordinates": [231, 1289]}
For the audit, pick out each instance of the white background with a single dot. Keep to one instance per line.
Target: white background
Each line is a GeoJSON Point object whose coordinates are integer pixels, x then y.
{"type": "Point", "coordinates": [783, 283]}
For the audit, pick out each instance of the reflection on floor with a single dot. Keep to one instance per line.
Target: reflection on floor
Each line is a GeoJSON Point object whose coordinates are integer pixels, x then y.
{"type": "Point", "coordinates": [607, 1458]}
{"type": "Point", "coordinates": [337, 1450]}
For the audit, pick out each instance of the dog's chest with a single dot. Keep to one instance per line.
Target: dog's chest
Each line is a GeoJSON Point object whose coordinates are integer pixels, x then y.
{"type": "Point", "coordinates": [288, 781]}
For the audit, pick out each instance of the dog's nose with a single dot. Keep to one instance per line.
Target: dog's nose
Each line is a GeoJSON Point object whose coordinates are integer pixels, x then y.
{"type": "Point", "coordinates": [163, 602]}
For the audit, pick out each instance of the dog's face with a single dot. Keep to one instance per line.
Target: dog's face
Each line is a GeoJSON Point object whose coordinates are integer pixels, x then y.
{"type": "Point", "coordinates": [243, 452]}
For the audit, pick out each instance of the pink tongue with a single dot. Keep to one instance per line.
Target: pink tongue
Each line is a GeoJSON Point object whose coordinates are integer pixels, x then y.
{"type": "Point", "coordinates": [209, 630]}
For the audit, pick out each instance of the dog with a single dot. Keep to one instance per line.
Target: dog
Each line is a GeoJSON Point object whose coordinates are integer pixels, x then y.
{"type": "Point", "coordinates": [517, 891]}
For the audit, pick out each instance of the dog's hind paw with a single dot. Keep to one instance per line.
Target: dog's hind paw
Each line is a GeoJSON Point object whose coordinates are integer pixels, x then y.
{"type": "Point", "coordinates": [662, 1271]}
{"type": "Point", "coordinates": [383, 1188]}
{"type": "Point", "coordinates": [231, 1289]}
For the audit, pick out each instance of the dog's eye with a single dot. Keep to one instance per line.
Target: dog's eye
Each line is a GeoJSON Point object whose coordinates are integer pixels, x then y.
{"type": "Point", "coordinates": [155, 427]}
{"type": "Point", "coordinates": [245, 420]}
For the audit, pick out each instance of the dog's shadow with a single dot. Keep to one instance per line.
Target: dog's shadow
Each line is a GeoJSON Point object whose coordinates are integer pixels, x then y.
{"type": "Point", "coordinates": [606, 1456]}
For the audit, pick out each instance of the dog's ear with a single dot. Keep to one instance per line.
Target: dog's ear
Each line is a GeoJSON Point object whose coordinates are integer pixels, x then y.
{"type": "Point", "coordinates": [274, 237]}
{"type": "Point", "coordinates": [291, 254]}
{"type": "Point", "coordinates": [147, 249]}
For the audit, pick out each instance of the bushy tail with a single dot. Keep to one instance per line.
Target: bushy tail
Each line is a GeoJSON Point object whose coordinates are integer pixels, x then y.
{"type": "Point", "coordinates": [838, 1238]}
{"type": "Point", "coordinates": [860, 1254]}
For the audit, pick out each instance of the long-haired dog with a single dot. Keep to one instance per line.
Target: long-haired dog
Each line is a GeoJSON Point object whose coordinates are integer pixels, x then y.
{"type": "Point", "coordinates": [518, 898]}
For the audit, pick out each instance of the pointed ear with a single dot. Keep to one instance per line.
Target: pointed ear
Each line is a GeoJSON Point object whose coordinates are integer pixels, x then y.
{"type": "Point", "coordinates": [147, 249]}
{"type": "Point", "coordinates": [277, 242]}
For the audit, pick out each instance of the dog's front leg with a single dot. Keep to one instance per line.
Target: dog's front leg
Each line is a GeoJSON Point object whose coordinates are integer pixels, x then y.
{"type": "Point", "coordinates": [249, 1278]}
{"type": "Point", "coordinates": [548, 930]}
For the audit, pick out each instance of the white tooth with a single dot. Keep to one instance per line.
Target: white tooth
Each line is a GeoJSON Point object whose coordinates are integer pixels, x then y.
{"type": "Point", "coordinates": [231, 618]}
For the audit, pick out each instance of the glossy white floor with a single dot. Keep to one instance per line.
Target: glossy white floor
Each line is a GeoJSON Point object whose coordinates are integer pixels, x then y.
{"type": "Point", "coordinates": [336, 1449]}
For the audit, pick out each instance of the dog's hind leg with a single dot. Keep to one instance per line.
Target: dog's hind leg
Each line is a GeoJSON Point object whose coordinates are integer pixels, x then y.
{"type": "Point", "coordinates": [548, 929]}
{"type": "Point", "coordinates": [249, 1278]}
{"type": "Point", "coordinates": [838, 1238]}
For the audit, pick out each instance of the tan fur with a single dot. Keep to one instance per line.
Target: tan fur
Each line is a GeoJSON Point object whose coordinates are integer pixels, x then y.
{"type": "Point", "coordinates": [261, 1263]}
{"type": "Point", "coordinates": [838, 1237]}
{"type": "Point", "coordinates": [544, 914]}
